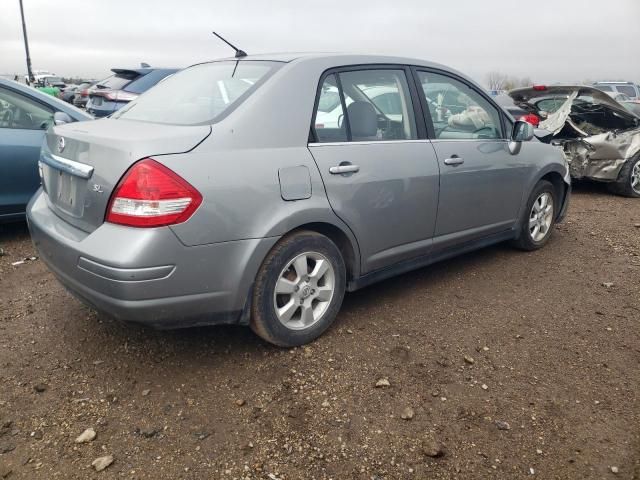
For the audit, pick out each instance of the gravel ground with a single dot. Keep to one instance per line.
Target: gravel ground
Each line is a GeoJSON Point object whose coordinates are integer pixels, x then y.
{"type": "Point", "coordinates": [497, 364]}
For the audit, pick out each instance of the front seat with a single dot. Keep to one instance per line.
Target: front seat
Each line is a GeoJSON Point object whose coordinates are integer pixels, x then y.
{"type": "Point", "coordinates": [363, 121]}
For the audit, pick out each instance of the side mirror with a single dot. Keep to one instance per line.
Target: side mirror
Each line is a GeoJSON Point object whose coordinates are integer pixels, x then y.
{"type": "Point", "coordinates": [522, 132]}
{"type": "Point", "coordinates": [60, 118]}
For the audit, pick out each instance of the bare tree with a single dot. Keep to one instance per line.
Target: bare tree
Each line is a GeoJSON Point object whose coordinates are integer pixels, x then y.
{"type": "Point", "coordinates": [496, 80]}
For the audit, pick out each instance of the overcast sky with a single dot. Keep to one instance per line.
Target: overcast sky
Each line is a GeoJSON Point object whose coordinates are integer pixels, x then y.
{"type": "Point", "coordinates": [546, 40]}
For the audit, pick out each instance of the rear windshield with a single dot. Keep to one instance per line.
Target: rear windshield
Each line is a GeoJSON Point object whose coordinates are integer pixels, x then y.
{"type": "Point", "coordinates": [145, 82]}
{"type": "Point", "coordinates": [199, 94]}
{"type": "Point", "coordinates": [116, 82]}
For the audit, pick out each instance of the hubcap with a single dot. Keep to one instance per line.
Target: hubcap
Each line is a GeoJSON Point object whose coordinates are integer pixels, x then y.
{"type": "Point", "coordinates": [541, 217]}
{"type": "Point", "coordinates": [304, 290]}
{"type": "Point", "coordinates": [635, 177]}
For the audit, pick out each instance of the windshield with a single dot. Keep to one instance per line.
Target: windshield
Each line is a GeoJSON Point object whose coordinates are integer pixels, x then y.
{"type": "Point", "coordinates": [200, 94]}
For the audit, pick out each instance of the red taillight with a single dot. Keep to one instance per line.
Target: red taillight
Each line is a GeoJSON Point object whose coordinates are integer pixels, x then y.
{"type": "Point", "coordinates": [116, 95]}
{"type": "Point", "coordinates": [85, 92]}
{"type": "Point", "coordinates": [540, 88]}
{"type": "Point", "coordinates": [151, 195]}
{"type": "Point", "coordinates": [530, 118]}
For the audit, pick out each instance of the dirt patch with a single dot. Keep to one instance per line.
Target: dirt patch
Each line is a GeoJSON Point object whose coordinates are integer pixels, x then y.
{"type": "Point", "coordinates": [552, 389]}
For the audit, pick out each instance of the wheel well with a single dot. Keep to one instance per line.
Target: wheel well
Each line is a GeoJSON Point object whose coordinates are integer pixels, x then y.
{"type": "Point", "coordinates": [558, 183]}
{"type": "Point", "coordinates": [341, 240]}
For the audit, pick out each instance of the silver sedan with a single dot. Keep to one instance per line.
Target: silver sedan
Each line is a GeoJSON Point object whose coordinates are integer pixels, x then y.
{"type": "Point", "coordinates": [223, 195]}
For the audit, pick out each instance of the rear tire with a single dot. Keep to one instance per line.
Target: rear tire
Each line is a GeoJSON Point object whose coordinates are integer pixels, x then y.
{"type": "Point", "coordinates": [628, 184]}
{"type": "Point", "coordinates": [298, 290]}
{"type": "Point", "coordinates": [539, 217]}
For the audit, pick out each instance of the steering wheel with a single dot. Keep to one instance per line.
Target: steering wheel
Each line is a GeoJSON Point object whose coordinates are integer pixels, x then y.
{"type": "Point", "coordinates": [7, 118]}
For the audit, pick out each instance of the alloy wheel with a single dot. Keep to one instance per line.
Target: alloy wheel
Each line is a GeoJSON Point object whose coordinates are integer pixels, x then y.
{"type": "Point", "coordinates": [304, 290]}
{"type": "Point", "coordinates": [541, 217]}
{"type": "Point", "coordinates": [635, 177]}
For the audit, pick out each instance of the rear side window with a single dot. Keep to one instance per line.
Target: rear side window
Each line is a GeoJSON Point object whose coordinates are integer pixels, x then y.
{"type": "Point", "coordinates": [378, 107]}
{"type": "Point", "coordinates": [604, 88]}
{"type": "Point", "coordinates": [199, 95]}
{"type": "Point", "coordinates": [145, 82]}
{"type": "Point", "coordinates": [627, 90]}
{"type": "Point", "coordinates": [328, 120]}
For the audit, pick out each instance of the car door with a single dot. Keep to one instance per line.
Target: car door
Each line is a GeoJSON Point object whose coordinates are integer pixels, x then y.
{"type": "Point", "coordinates": [481, 183]}
{"type": "Point", "coordinates": [22, 125]}
{"type": "Point", "coordinates": [380, 173]}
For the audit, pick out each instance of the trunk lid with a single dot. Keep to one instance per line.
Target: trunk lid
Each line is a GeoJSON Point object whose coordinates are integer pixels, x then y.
{"type": "Point", "coordinates": [81, 163]}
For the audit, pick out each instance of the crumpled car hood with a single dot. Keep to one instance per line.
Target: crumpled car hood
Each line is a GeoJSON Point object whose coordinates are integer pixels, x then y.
{"type": "Point", "coordinates": [522, 96]}
{"type": "Point", "coordinates": [597, 134]}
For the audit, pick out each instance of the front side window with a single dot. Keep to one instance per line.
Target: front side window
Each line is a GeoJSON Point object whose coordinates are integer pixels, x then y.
{"type": "Point", "coordinates": [20, 112]}
{"type": "Point", "coordinates": [199, 95]}
{"type": "Point", "coordinates": [378, 107]}
{"type": "Point", "coordinates": [457, 111]}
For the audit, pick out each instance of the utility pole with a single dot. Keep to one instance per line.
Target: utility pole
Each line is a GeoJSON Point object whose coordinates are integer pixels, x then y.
{"type": "Point", "coordinates": [26, 46]}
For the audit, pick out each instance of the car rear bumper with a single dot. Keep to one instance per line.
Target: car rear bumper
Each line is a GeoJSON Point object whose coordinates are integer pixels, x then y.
{"type": "Point", "coordinates": [147, 275]}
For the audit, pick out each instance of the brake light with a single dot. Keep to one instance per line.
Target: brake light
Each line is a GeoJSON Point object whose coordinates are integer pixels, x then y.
{"type": "Point", "coordinates": [530, 118]}
{"type": "Point", "coordinates": [116, 95]}
{"type": "Point", "coordinates": [539, 88]}
{"type": "Point", "coordinates": [151, 195]}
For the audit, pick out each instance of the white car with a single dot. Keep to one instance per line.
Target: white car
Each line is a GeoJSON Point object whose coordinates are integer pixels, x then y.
{"type": "Point", "coordinates": [386, 99]}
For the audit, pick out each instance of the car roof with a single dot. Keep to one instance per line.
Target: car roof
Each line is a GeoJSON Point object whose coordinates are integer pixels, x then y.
{"type": "Point", "coordinates": [50, 100]}
{"type": "Point", "coordinates": [613, 83]}
{"type": "Point", "coordinates": [339, 58]}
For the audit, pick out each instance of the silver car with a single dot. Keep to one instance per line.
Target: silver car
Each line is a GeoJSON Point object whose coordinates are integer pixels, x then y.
{"type": "Point", "coordinates": [216, 197]}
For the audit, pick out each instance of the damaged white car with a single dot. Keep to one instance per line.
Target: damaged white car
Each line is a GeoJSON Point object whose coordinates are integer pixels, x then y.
{"type": "Point", "coordinates": [600, 138]}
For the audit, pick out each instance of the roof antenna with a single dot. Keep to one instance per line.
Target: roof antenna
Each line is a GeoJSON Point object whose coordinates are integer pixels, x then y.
{"type": "Point", "coordinates": [239, 53]}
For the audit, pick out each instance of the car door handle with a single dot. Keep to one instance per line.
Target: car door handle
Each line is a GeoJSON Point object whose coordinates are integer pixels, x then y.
{"type": "Point", "coordinates": [453, 161]}
{"type": "Point", "coordinates": [340, 169]}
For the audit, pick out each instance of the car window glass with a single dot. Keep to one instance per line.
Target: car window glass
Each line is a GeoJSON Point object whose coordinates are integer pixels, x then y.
{"type": "Point", "coordinates": [116, 82]}
{"type": "Point", "coordinates": [200, 94]}
{"type": "Point", "coordinates": [627, 90]}
{"type": "Point", "coordinates": [328, 123]}
{"type": "Point", "coordinates": [145, 82]}
{"type": "Point", "coordinates": [20, 112]}
{"type": "Point", "coordinates": [458, 111]}
{"type": "Point", "coordinates": [604, 88]}
{"type": "Point", "coordinates": [378, 105]}
{"type": "Point", "coordinates": [550, 105]}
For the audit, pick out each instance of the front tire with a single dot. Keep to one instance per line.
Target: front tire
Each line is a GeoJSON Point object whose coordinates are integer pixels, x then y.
{"type": "Point", "coordinates": [298, 290]}
{"type": "Point", "coordinates": [539, 217]}
{"type": "Point", "coordinates": [628, 183]}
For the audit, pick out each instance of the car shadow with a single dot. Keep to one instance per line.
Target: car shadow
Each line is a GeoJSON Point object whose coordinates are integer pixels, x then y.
{"type": "Point", "coordinates": [16, 230]}
{"type": "Point", "coordinates": [197, 341]}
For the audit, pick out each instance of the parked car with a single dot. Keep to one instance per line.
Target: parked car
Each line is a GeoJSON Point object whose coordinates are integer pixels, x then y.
{"type": "Point", "coordinates": [81, 97]}
{"type": "Point", "coordinates": [628, 88]}
{"type": "Point", "coordinates": [217, 197]}
{"type": "Point", "coordinates": [599, 136]}
{"type": "Point", "coordinates": [72, 91]}
{"type": "Point", "coordinates": [25, 114]}
{"type": "Point", "coordinates": [114, 92]}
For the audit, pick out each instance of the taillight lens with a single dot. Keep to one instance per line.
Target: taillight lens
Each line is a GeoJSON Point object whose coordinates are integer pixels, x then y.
{"type": "Point", "coordinates": [530, 118]}
{"type": "Point", "coordinates": [151, 195]}
{"type": "Point", "coordinates": [116, 95]}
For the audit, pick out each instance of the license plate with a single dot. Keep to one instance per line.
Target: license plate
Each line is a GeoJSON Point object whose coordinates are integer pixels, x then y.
{"type": "Point", "coordinates": [96, 101]}
{"type": "Point", "coordinates": [67, 193]}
